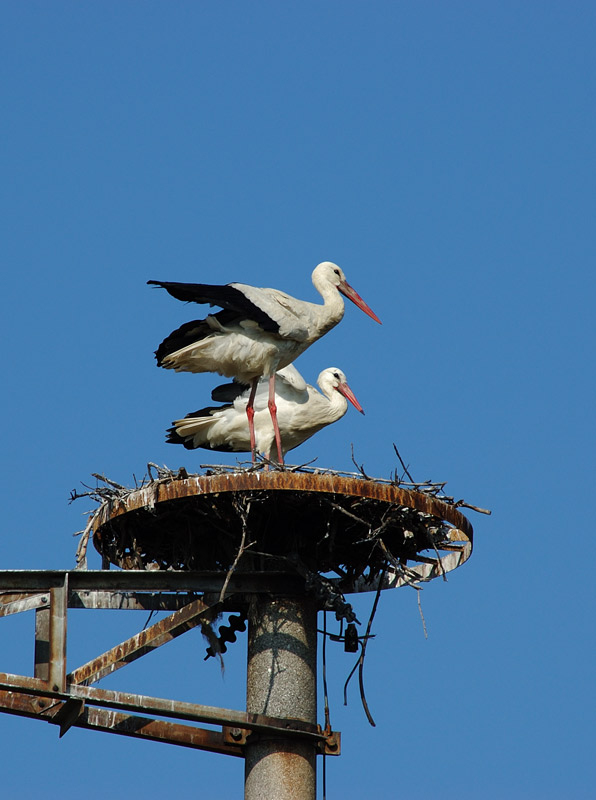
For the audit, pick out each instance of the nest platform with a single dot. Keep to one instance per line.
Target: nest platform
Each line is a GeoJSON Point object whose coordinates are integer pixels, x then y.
{"type": "Point", "coordinates": [354, 529]}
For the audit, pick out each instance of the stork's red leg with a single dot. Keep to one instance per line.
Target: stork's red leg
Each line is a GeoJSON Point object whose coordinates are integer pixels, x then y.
{"type": "Point", "coordinates": [250, 413]}
{"type": "Point", "coordinates": [273, 412]}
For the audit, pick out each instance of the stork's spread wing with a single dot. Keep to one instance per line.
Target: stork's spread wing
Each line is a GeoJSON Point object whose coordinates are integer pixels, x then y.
{"type": "Point", "coordinates": [227, 296]}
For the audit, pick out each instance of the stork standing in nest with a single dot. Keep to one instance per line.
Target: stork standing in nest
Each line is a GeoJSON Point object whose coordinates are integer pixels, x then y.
{"type": "Point", "coordinates": [301, 412]}
{"type": "Point", "coordinates": [258, 332]}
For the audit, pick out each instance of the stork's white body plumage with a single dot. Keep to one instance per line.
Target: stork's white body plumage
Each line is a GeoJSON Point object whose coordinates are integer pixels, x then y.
{"type": "Point", "coordinates": [301, 412]}
{"type": "Point", "coordinates": [258, 332]}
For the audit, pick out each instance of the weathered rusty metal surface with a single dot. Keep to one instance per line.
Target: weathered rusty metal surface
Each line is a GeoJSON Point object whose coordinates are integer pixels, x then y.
{"type": "Point", "coordinates": [151, 581]}
{"type": "Point", "coordinates": [58, 613]}
{"type": "Point", "coordinates": [41, 658]}
{"type": "Point", "coordinates": [161, 491]}
{"type": "Point", "coordinates": [159, 731]}
{"type": "Point", "coordinates": [192, 712]}
{"type": "Point", "coordinates": [149, 639]}
{"type": "Point", "coordinates": [13, 603]}
{"type": "Point", "coordinates": [45, 708]}
{"type": "Point", "coordinates": [359, 528]}
{"type": "Point", "coordinates": [129, 601]}
{"type": "Point", "coordinates": [188, 534]}
{"type": "Point", "coordinates": [197, 713]}
{"type": "Point", "coordinates": [24, 683]}
{"type": "Point", "coordinates": [332, 745]}
{"type": "Point", "coordinates": [68, 714]}
{"type": "Point", "coordinates": [121, 601]}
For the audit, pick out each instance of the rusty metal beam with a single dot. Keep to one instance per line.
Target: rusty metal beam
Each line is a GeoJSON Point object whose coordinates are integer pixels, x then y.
{"type": "Point", "coordinates": [196, 713]}
{"type": "Point", "coordinates": [15, 603]}
{"type": "Point", "coordinates": [129, 601]}
{"type": "Point", "coordinates": [119, 601]}
{"type": "Point", "coordinates": [58, 612]}
{"type": "Point", "coordinates": [25, 684]}
{"type": "Point", "coordinates": [151, 581]}
{"type": "Point", "coordinates": [46, 708]}
{"type": "Point", "coordinates": [192, 712]}
{"type": "Point", "coordinates": [158, 731]}
{"type": "Point", "coordinates": [149, 639]}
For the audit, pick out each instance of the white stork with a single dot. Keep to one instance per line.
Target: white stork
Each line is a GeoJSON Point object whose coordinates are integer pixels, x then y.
{"type": "Point", "coordinates": [258, 332]}
{"type": "Point", "coordinates": [301, 412]}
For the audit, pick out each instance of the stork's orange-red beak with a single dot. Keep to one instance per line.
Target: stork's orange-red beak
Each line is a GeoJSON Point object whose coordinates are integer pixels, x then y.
{"type": "Point", "coordinates": [345, 288]}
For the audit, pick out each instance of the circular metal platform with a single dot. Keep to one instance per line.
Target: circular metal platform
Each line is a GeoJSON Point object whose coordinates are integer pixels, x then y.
{"type": "Point", "coordinates": [354, 528]}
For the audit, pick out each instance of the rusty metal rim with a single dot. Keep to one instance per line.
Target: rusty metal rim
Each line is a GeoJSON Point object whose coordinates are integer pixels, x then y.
{"type": "Point", "coordinates": [160, 491]}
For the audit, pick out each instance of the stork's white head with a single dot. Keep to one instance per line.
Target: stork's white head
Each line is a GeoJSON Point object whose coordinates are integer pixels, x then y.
{"type": "Point", "coordinates": [328, 274]}
{"type": "Point", "coordinates": [333, 379]}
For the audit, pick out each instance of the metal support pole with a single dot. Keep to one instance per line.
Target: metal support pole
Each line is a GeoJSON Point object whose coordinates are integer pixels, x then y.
{"type": "Point", "coordinates": [281, 681]}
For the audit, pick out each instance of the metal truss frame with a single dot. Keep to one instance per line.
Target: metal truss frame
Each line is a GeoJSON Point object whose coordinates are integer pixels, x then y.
{"type": "Point", "coordinates": [69, 699]}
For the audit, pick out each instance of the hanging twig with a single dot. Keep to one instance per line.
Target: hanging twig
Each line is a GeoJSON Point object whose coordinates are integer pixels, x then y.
{"type": "Point", "coordinates": [439, 561]}
{"type": "Point", "coordinates": [243, 512]}
{"type": "Point", "coordinates": [81, 554]}
{"type": "Point", "coordinates": [421, 614]}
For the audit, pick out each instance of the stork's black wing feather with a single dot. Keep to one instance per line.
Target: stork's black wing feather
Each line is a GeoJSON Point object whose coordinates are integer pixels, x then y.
{"type": "Point", "coordinates": [173, 437]}
{"type": "Point", "coordinates": [226, 296]}
{"type": "Point", "coordinates": [191, 332]}
{"type": "Point", "coordinates": [228, 392]}
{"type": "Point", "coordinates": [186, 334]}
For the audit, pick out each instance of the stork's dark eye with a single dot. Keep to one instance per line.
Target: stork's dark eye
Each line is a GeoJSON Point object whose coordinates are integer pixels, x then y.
{"type": "Point", "coordinates": [336, 375]}
{"type": "Point", "coordinates": [337, 272]}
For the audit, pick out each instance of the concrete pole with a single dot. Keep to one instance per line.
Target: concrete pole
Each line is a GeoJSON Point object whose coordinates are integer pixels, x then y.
{"type": "Point", "coordinates": [281, 682]}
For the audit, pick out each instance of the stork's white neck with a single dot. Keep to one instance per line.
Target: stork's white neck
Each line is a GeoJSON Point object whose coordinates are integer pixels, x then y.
{"type": "Point", "coordinates": [337, 405]}
{"type": "Point", "coordinates": [332, 310]}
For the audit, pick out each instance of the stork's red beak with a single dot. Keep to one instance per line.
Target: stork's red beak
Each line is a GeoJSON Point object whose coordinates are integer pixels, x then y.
{"type": "Point", "coordinates": [349, 395]}
{"type": "Point", "coordinates": [345, 288]}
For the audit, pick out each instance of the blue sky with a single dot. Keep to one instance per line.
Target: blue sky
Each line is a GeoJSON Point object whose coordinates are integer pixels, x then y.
{"type": "Point", "coordinates": [443, 155]}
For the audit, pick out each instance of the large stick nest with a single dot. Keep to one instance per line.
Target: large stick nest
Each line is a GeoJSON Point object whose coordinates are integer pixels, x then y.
{"type": "Point", "coordinates": [324, 522]}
